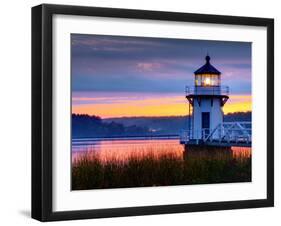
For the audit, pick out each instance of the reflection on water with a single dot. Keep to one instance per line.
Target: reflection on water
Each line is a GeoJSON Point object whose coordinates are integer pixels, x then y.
{"type": "Point", "coordinates": [123, 149]}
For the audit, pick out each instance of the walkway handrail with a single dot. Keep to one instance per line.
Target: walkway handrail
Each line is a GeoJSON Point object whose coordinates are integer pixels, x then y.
{"type": "Point", "coordinates": [226, 132]}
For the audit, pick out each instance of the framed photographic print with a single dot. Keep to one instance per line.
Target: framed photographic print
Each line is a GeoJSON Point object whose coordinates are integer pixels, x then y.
{"type": "Point", "coordinates": [145, 112]}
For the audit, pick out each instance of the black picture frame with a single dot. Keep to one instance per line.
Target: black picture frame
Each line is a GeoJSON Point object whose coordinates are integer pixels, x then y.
{"type": "Point", "coordinates": [42, 111]}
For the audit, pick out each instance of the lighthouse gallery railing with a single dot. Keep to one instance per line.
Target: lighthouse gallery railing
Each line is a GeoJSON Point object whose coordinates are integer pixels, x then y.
{"type": "Point", "coordinates": [206, 90]}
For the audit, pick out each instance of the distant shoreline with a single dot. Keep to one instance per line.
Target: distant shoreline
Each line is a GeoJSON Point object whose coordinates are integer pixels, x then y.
{"type": "Point", "coordinates": [85, 126]}
{"type": "Point", "coordinates": [158, 137]}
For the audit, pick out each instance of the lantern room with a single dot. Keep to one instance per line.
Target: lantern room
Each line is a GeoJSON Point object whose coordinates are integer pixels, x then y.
{"type": "Point", "coordinates": [207, 80]}
{"type": "Point", "coordinates": [207, 75]}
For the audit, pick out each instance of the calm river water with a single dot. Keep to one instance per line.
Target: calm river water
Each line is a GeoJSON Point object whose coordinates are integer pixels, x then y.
{"type": "Point", "coordinates": [122, 149]}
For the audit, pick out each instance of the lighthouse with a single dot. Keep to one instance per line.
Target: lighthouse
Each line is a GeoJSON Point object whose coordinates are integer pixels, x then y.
{"type": "Point", "coordinates": [206, 99]}
{"type": "Point", "coordinates": [206, 127]}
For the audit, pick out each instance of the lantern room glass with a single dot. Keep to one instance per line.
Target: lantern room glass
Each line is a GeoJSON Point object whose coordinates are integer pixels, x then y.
{"type": "Point", "coordinates": [207, 80]}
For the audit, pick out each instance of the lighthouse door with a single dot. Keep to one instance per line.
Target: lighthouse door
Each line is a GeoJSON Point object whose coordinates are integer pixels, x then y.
{"type": "Point", "coordinates": [205, 124]}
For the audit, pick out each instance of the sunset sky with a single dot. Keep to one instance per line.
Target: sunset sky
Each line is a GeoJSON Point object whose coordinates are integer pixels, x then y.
{"type": "Point", "coordinates": [114, 76]}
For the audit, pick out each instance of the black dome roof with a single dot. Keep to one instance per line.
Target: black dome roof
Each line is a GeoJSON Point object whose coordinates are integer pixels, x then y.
{"type": "Point", "coordinates": [207, 68]}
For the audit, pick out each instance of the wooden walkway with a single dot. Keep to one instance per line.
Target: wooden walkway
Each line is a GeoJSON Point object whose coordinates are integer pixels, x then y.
{"type": "Point", "coordinates": [226, 134]}
{"type": "Point", "coordinates": [216, 143]}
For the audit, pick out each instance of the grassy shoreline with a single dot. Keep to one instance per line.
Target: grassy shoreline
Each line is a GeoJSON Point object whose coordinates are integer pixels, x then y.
{"type": "Point", "coordinates": [200, 167]}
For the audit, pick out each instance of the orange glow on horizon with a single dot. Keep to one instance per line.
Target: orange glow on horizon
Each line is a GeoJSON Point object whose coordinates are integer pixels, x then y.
{"type": "Point", "coordinates": [237, 107]}
{"type": "Point", "coordinates": [156, 106]}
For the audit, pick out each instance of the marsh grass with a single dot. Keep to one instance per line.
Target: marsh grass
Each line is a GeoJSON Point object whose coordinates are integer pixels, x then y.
{"type": "Point", "coordinates": [89, 171]}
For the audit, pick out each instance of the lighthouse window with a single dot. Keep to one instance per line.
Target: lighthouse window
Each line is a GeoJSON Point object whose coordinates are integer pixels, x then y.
{"type": "Point", "coordinates": [198, 80]}
{"type": "Point", "coordinates": [210, 80]}
{"type": "Point", "coordinates": [207, 80]}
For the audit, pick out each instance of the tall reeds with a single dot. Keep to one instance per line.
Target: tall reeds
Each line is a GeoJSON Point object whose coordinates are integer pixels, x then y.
{"type": "Point", "coordinates": [150, 169]}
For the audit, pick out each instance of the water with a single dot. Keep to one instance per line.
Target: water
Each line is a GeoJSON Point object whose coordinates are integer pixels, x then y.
{"type": "Point", "coordinates": [122, 149]}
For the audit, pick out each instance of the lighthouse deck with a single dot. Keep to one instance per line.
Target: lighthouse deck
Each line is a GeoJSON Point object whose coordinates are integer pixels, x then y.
{"type": "Point", "coordinates": [206, 90]}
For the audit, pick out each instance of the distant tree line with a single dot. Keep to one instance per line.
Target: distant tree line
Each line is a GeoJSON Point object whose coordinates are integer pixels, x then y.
{"type": "Point", "coordinates": [84, 125]}
{"type": "Point", "coordinates": [238, 116]}
{"type": "Point", "coordinates": [93, 126]}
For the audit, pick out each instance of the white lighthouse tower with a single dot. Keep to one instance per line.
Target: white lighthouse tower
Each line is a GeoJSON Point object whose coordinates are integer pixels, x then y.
{"type": "Point", "coordinates": [206, 99]}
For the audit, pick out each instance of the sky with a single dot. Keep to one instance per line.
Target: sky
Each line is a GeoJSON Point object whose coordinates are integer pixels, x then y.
{"type": "Point", "coordinates": [117, 76]}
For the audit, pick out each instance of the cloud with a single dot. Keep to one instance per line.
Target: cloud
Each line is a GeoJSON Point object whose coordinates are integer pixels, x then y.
{"type": "Point", "coordinates": [115, 63]}
{"type": "Point", "coordinates": [147, 66]}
